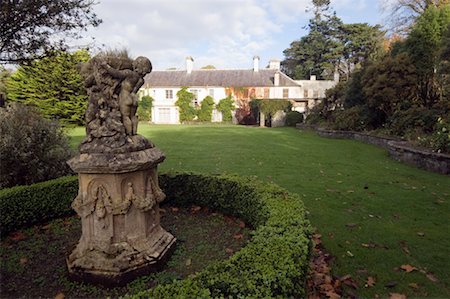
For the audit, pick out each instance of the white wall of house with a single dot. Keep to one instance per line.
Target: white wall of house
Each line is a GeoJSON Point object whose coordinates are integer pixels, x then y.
{"type": "Point", "coordinates": [165, 111]}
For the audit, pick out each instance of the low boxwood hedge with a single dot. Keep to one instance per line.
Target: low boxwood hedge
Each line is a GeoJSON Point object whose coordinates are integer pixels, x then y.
{"type": "Point", "coordinates": [273, 264]}
{"type": "Point", "coordinates": [26, 205]}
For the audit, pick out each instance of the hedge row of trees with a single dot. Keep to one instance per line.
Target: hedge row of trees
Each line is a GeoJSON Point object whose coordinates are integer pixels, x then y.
{"type": "Point", "coordinates": [188, 111]}
{"type": "Point", "coordinates": [402, 88]}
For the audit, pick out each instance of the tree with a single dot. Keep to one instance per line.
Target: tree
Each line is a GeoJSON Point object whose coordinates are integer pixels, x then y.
{"type": "Point", "coordinates": [319, 51]}
{"type": "Point", "coordinates": [389, 86]}
{"type": "Point", "coordinates": [208, 67]}
{"type": "Point", "coordinates": [424, 47]}
{"type": "Point", "coordinates": [402, 14]}
{"type": "Point", "coordinates": [444, 67]}
{"type": "Point", "coordinates": [184, 103]}
{"type": "Point", "coordinates": [206, 108]}
{"type": "Point", "coordinates": [53, 85]}
{"type": "Point", "coordinates": [4, 75]}
{"type": "Point", "coordinates": [360, 43]}
{"type": "Point", "coordinates": [34, 29]}
{"type": "Point", "coordinates": [225, 106]}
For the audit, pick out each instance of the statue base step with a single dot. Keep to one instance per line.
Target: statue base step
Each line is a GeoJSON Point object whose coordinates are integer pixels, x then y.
{"type": "Point", "coordinates": [120, 263]}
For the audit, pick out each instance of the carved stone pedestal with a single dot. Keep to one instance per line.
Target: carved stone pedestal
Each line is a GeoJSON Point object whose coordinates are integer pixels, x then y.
{"type": "Point", "coordinates": [118, 202]}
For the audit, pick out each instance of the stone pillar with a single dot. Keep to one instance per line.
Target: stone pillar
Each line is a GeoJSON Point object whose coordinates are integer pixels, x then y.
{"type": "Point", "coordinates": [262, 119]}
{"type": "Point", "coordinates": [118, 202]}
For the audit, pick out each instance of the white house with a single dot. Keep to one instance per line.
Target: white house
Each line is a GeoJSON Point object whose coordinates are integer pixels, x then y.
{"type": "Point", "coordinates": [242, 84]}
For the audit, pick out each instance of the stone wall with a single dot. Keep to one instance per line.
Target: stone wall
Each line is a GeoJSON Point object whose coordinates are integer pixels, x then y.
{"type": "Point", "coordinates": [398, 150]}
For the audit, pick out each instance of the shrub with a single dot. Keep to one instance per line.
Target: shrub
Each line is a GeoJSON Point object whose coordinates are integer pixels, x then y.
{"type": "Point", "coordinates": [440, 140]}
{"type": "Point", "coordinates": [206, 108]}
{"type": "Point", "coordinates": [405, 121]}
{"type": "Point", "coordinates": [293, 117]}
{"type": "Point", "coordinates": [32, 149]}
{"type": "Point", "coordinates": [225, 106]}
{"type": "Point", "coordinates": [25, 205]}
{"type": "Point", "coordinates": [351, 119]}
{"type": "Point", "coordinates": [184, 103]}
{"type": "Point", "coordinates": [144, 110]}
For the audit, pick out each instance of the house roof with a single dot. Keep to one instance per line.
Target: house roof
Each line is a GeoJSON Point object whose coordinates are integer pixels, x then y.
{"type": "Point", "coordinates": [222, 78]}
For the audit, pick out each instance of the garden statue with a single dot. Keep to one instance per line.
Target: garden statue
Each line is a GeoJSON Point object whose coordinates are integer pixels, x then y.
{"type": "Point", "coordinates": [119, 194]}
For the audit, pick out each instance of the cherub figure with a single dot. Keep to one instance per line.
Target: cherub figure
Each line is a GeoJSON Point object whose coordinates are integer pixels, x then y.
{"type": "Point", "coordinates": [131, 81]}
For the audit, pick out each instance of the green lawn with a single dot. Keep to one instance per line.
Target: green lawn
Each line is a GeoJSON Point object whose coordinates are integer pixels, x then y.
{"type": "Point", "coordinates": [375, 214]}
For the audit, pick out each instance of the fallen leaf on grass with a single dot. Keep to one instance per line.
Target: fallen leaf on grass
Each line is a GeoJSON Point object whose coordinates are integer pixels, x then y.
{"type": "Point", "coordinates": [370, 282]}
{"type": "Point", "coordinates": [229, 250]}
{"type": "Point", "coordinates": [332, 295]}
{"type": "Point", "coordinates": [431, 277]}
{"type": "Point", "coordinates": [59, 296]}
{"type": "Point", "coordinates": [413, 285]}
{"type": "Point", "coordinates": [23, 260]}
{"type": "Point", "coordinates": [408, 268]}
{"type": "Point", "coordinates": [238, 236]}
{"type": "Point", "coordinates": [421, 234]}
{"type": "Point", "coordinates": [348, 281]}
{"type": "Point", "coordinates": [17, 236]}
{"type": "Point", "coordinates": [195, 209]}
{"type": "Point", "coordinates": [405, 247]}
{"type": "Point", "coordinates": [47, 226]}
{"type": "Point", "coordinates": [351, 225]}
{"type": "Point", "coordinates": [396, 296]}
{"type": "Point", "coordinates": [188, 262]}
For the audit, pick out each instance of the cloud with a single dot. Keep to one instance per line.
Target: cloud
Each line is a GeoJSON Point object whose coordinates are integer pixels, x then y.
{"type": "Point", "coordinates": [226, 33]}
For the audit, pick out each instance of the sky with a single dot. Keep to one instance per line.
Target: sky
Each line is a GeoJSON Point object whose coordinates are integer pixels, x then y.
{"type": "Point", "coordinates": [223, 33]}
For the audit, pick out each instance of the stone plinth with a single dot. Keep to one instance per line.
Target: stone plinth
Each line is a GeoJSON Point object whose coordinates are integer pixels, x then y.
{"type": "Point", "coordinates": [118, 202]}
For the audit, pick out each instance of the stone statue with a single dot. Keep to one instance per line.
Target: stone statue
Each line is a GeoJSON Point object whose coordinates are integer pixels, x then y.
{"type": "Point", "coordinates": [119, 194]}
{"type": "Point", "coordinates": [112, 81]}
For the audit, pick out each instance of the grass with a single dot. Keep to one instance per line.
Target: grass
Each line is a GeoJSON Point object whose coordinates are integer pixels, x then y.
{"type": "Point", "coordinates": [24, 254]}
{"type": "Point", "coordinates": [375, 214]}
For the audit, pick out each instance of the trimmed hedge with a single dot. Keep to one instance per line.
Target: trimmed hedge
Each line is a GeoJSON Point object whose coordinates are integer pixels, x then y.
{"type": "Point", "coordinates": [273, 264]}
{"type": "Point", "coordinates": [275, 261]}
{"type": "Point", "coordinates": [26, 205]}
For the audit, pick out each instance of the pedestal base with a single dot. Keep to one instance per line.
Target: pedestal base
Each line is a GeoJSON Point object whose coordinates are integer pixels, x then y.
{"type": "Point", "coordinates": [118, 202]}
{"type": "Point", "coordinates": [128, 263]}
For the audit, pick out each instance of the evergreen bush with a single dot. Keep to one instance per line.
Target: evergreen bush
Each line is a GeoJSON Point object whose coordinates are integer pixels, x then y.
{"type": "Point", "coordinates": [144, 110]}
{"type": "Point", "coordinates": [293, 117]}
{"type": "Point", "coordinates": [225, 106]}
{"type": "Point", "coordinates": [206, 108]}
{"type": "Point", "coordinates": [32, 148]}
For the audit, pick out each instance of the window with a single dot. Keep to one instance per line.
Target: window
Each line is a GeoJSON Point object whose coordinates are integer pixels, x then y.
{"type": "Point", "coordinates": [315, 94]}
{"type": "Point", "coordinates": [195, 93]}
{"type": "Point", "coordinates": [266, 93]}
{"type": "Point", "coordinates": [211, 93]}
{"type": "Point", "coordinates": [169, 94]}
{"type": "Point", "coordinates": [305, 93]}
{"type": "Point", "coordinates": [164, 115]}
{"type": "Point", "coordinates": [285, 93]}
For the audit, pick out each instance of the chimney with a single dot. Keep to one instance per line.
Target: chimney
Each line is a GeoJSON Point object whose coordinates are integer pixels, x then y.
{"type": "Point", "coordinates": [313, 78]}
{"type": "Point", "coordinates": [274, 64]}
{"type": "Point", "coordinates": [276, 79]}
{"type": "Point", "coordinates": [189, 64]}
{"type": "Point", "coordinates": [256, 63]}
